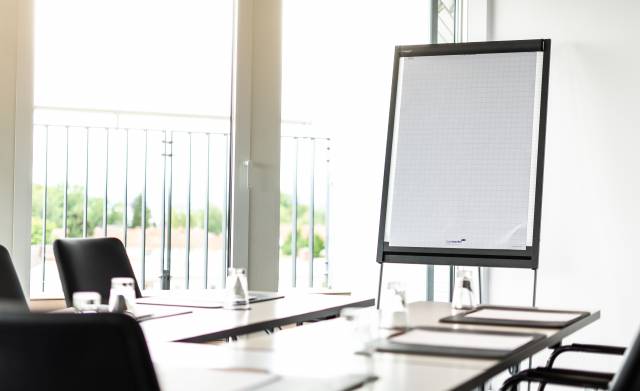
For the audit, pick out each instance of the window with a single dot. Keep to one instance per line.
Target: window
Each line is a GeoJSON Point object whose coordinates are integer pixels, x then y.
{"type": "Point", "coordinates": [337, 63]}
{"type": "Point", "coordinates": [131, 135]}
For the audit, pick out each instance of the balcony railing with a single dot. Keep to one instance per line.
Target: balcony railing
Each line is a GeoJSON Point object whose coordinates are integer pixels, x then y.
{"type": "Point", "coordinates": [160, 183]}
{"type": "Point", "coordinates": [304, 228]}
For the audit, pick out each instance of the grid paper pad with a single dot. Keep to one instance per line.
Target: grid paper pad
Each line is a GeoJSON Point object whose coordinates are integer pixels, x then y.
{"type": "Point", "coordinates": [462, 166]}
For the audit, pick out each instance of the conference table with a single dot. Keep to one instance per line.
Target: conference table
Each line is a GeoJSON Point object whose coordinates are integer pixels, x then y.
{"type": "Point", "coordinates": [300, 357]}
{"type": "Point", "coordinates": [199, 324]}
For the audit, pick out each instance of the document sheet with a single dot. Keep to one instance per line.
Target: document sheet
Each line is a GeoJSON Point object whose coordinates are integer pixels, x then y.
{"type": "Point", "coordinates": [532, 316]}
{"type": "Point", "coordinates": [462, 340]}
{"type": "Point", "coordinates": [461, 169]}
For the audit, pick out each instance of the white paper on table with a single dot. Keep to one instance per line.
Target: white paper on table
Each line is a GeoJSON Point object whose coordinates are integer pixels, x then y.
{"type": "Point", "coordinates": [532, 316]}
{"type": "Point", "coordinates": [214, 300]}
{"type": "Point", "coordinates": [197, 379]}
{"type": "Point", "coordinates": [325, 383]}
{"type": "Point", "coordinates": [462, 167]}
{"type": "Point", "coordinates": [452, 339]}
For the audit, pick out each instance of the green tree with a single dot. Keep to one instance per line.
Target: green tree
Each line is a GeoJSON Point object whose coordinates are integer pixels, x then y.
{"type": "Point", "coordinates": [303, 242]}
{"type": "Point", "coordinates": [36, 231]}
{"type": "Point", "coordinates": [215, 219]}
{"type": "Point", "coordinates": [179, 219]}
{"type": "Point", "coordinates": [75, 212]}
{"type": "Point", "coordinates": [116, 214]}
{"type": "Point", "coordinates": [137, 213]}
{"type": "Point", "coordinates": [286, 212]}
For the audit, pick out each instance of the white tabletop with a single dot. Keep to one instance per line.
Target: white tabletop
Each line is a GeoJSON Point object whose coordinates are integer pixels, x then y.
{"type": "Point", "coordinates": [205, 324]}
{"type": "Point", "coordinates": [327, 349]}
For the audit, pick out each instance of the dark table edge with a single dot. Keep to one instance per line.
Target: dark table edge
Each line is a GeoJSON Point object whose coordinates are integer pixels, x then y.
{"type": "Point", "coordinates": [520, 355]}
{"type": "Point", "coordinates": [270, 324]}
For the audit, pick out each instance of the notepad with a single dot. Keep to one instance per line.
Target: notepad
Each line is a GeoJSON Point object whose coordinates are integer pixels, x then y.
{"type": "Point", "coordinates": [535, 316]}
{"type": "Point", "coordinates": [213, 300]}
{"type": "Point", "coordinates": [454, 342]}
{"type": "Point", "coordinates": [330, 383]}
{"type": "Point", "coordinates": [463, 175]}
{"type": "Point", "coordinates": [200, 379]}
{"type": "Point", "coordinates": [506, 342]}
{"type": "Point", "coordinates": [158, 312]}
{"type": "Point", "coordinates": [517, 316]}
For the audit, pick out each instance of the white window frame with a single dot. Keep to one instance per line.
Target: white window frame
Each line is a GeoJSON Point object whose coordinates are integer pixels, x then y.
{"type": "Point", "coordinates": [16, 103]}
{"type": "Point", "coordinates": [255, 117]}
{"type": "Point", "coordinates": [254, 187]}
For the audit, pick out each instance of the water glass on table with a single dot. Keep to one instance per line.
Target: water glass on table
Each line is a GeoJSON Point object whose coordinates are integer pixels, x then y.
{"type": "Point", "coordinates": [86, 302]}
{"type": "Point", "coordinates": [463, 298]}
{"type": "Point", "coordinates": [363, 327]}
{"type": "Point", "coordinates": [122, 297]}
{"type": "Point", "coordinates": [237, 291]}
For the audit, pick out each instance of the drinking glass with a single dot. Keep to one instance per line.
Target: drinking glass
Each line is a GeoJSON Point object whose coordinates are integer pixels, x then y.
{"type": "Point", "coordinates": [122, 287]}
{"type": "Point", "coordinates": [462, 293]}
{"type": "Point", "coordinates": [363, 328]}
{"type": "Point", "coordinates": [86, 302]}
{"type": "Point", "coordinates": [393, 309]}
{"type": "Point", "coordinates": [237, 291]}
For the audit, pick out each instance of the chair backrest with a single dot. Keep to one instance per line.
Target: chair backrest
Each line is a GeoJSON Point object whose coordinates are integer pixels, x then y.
{"type": "Point", "coordinates": [90, 264]}
{"type": "Point", "coordinates": [10, 289]}
{"type": "Point", "coordinates": [628, 377]}
{"type": "Point", "coordinates": [74, 352]}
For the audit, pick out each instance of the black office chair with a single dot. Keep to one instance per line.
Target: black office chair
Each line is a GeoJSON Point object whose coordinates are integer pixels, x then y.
{"type": "Point", "coordinates": [74, 352]}
{"type": "Point", "coordinates": [90, 264]}
{"type": "Point", "coordinates": [10, 289]}
{"type": "Point", "coordinates": [627, 378]}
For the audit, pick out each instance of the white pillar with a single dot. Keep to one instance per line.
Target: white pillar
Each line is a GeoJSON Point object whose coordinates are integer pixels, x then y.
{"type": "Point", "coordinates": [16, 110]}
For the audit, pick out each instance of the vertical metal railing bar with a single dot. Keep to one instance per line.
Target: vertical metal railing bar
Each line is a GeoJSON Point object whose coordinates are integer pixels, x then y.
{"type": "Point", "coordinates": [143, 215]}
{"type": "Point", "coordinates": [294, 217]}
{"type": "Point", "coordinates": [327, 215]}
{"type": "Point", "coordinates": [164, 210]}
{"type": "Point", "coordinates": [169, 212]}
{"type": "Point", "coordinates": [85, 201]}
{"type": "Point", "coordinates": [188, 223]}
{"type": "Point", "coordinates": [206, 216]}
{"type": "Point", "coordinates": [125, 206]}
{"type": "Point", "coordinates": [312, 211]}
{"type": "Point", "coordinates": [105, 212]}
{"type": "Point", "coordinates": [225, 218]}
{"type": "Point", "coordinates": [66, 184]}
{"type": "Point", "coordinates": [44, 205]}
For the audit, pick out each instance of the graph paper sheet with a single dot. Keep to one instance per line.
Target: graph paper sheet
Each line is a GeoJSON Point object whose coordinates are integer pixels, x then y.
{"type": "Point", "coordinates": [461, 173]}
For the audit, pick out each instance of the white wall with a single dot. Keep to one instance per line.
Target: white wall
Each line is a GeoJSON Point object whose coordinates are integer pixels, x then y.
{"type": "Point", "coordinates": [591, 208]}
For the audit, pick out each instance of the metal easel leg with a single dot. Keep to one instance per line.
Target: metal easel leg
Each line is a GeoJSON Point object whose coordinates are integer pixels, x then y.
{"type": "Point", "coordinates": [533, 303]}
{"type": "Point", "coordinates": [535, 286]}
{"type": "Point", "coordinates": [480, 284]}
{"type": "Point", "coordinates": [451, 282]}
{"type": "Point", "coordinates": [430, 283]}
{"type": "Point", "coordinates": [379, 286]}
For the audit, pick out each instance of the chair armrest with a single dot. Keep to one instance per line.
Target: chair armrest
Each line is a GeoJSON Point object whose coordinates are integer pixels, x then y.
{"type": "Point", "coordinates": [582, 348]}
{"type": "Point", "coordinates": [565, 377]}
